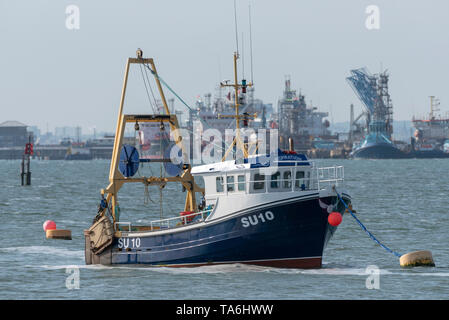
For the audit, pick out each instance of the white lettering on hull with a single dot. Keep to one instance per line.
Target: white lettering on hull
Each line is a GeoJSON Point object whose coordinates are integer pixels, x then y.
{"type": "Point", "coordinates": [125, 243]}
{"type": "Point", "coordinates": [254, 219]}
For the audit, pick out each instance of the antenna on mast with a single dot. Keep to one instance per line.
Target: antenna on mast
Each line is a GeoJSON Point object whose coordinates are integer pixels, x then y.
{"type": "Point", "coordinates": [236, 31]}
{"type": "Point", "coordinates": [243, 58]}
{"type": "Point", "coordinates": [251, 44]}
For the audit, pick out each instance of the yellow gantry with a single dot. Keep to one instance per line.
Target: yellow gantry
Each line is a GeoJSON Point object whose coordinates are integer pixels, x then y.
{"type": "Point", "coordinates": [116, 179]}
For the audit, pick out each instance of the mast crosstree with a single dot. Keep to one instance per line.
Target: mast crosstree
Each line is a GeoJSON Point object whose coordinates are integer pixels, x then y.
{"type": "Point", "coordinates": [237, 141]}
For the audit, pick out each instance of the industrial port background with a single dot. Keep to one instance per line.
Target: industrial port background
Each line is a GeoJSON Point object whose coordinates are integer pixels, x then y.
{"type": "Point", "coordinates": [59, 77]}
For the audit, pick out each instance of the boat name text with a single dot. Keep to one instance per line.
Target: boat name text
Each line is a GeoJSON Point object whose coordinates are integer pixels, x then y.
{"type": "Point", "coordinates": [124, 243]}
{"type": "Point", "coordinates": [256, 218]}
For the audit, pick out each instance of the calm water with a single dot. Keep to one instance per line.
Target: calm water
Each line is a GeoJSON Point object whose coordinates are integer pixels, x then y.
{"type": "Point", "coordinates": [403, 202]}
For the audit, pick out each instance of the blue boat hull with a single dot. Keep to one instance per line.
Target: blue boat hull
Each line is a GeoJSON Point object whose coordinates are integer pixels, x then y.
{"type": "Point", "coordinates": [378, 151]}
{"type": "Point", "coordinates": [292, 234]}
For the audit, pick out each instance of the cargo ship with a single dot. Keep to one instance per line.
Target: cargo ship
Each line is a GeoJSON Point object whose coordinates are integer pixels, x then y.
{"type": "Point", "coordinates": [431, 134]}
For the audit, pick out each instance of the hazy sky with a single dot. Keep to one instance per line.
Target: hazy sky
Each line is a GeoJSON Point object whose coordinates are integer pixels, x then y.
{"type": "Point", "coordinates": [51, 75]}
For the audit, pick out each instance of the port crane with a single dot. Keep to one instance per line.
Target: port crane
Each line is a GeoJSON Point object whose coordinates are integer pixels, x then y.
{"type": "Point", "coordinates": [372, 90]}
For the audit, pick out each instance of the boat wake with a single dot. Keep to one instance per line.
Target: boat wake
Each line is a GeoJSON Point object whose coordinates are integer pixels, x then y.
{"type": "Point", "coordinates": [244, 268]}
{"type": "Point", "coordinates": [223, 269]}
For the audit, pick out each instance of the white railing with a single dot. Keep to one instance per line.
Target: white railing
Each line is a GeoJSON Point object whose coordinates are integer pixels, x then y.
{"type": "Point", "coordinates": [314, 178]}
{"type": "Point", "coordinates": [117, 224]}
{"type": "Point", "coordinates": [174, 222]}
{"type": "Point", "coordinates": [328, 177]}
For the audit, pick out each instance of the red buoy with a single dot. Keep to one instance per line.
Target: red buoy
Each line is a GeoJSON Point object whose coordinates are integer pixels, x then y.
{"type": "Point", "coordinates": [49, 225]}
{"type": "Point", "coordinates": [334, 218]}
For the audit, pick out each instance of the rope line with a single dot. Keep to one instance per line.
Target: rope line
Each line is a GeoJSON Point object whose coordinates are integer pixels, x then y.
{"type": "Point", "coordinates": [364, 228]}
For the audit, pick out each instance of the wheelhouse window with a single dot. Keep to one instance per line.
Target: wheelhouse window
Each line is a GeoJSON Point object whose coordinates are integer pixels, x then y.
{"type": "Point", "coordinates": [241, 183]}
{"type": "Point", "coordinates": [287, 179]}
{"type": "Point", "coordinates": [259, 181]}
{"type": "Point", "coordinates": [299, 180]}
{"type": "Point", "coordinates": [219, 184]}
{"type": "Point", "coordinates": [230, 183]}
{"type": "Point", "coordinates": [275, 180]}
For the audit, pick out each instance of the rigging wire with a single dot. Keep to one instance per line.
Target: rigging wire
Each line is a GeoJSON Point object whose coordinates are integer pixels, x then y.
{"type": "Point", "coordinates": [153, 104]}
{"type": "Point", "coordinates": [183, 102]}
{"type": "Point", "coordinates": [146, 89]}
{"type": "Point", "coordinates": [151, 89]}
{"type": "Point", "coordinates": [168, 87]}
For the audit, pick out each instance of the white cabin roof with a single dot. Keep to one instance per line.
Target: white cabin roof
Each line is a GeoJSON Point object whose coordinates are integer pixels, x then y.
{"type": "Point", "coordinates": [224, 166]}
{"type": "Point", "coordinates": [255, 161]}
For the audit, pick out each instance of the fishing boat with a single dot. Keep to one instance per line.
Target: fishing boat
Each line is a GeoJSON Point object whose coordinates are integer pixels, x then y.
{"type": "Point", "coordinates": [268, 209]}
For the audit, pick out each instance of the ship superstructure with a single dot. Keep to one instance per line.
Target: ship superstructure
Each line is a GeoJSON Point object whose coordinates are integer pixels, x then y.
{"type": "Point", "coordinates": [298, 121]}
{"type": "Point", "coordinates": [431, 132]}
{"type": "Point", "coordinates": [434, 127]}
{"type": "Point", "coordinates": [217, 113]}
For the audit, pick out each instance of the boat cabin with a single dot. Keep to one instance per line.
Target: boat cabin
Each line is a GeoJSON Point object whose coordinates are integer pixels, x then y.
{"type": "Point", "coordinates": [231, 186]}
{"type": "Point", "coordinates": [288, 172]}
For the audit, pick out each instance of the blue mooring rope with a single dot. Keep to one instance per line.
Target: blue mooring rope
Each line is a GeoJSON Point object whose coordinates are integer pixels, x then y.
{"type": "Point", "coordinates": [364, 228]}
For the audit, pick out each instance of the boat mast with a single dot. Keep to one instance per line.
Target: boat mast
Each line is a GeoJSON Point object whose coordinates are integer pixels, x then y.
{"type": "Point", "coordinates": [237, 139]}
